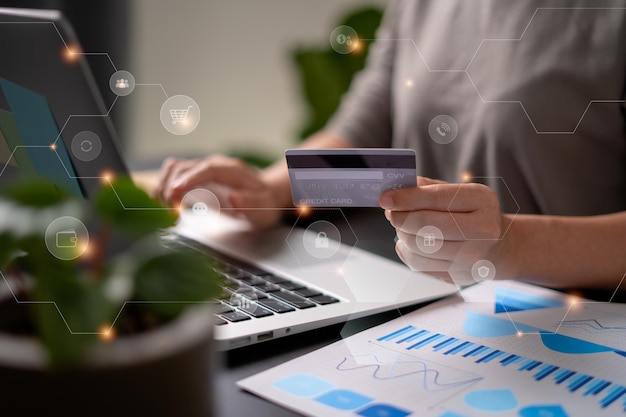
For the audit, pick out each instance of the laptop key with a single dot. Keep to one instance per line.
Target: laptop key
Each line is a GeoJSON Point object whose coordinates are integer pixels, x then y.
{"type": "Point", "coordinates": [276, 306]}
{"type": "Point", "coordinates": [324, 299]}
{"type": "Point", "coordinates": [307, 292]}
{"type": "Point", "coordinates": [290, 285]}
{"type": "Point", "coordinates": [256, 311]}
{"type": "Point", "coordinates": [222, 309]}
{"type": "Point", "coordinates": [225, 295]}
{"type": "Point", "coordinates": [274, 279]}
{"type": "Point", "coordinates": [294, 299]}
{"type": "Point", "coordinates": [218, 321]}
{"type": "Point", "coordinates": [260, 295]}
{"type": "Point", "coordinates": [252, 280]}
{"type": "Point", "coordinates": [268, 287]}
{"type": "Point", "coordinates": [235, 316]}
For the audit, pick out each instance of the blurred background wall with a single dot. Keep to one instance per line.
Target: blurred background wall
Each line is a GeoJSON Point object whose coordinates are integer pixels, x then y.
{"type": "Point", "coordinates": [233, 58]}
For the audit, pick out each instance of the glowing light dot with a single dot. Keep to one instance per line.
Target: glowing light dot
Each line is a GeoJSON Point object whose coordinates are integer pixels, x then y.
{"type": "Point", "coordinates": [409, 83]}
{"type": "Point", "coordinates": [53, 146]}
{"type": "Point", "coordinates": [467, 176]}
{"type": "Point", "coordinates": [107, 177]}
{"type": "Point", "coordinates": [106, 333]}
{"type": "Point", "coordinates": [358, 46]}
{"type": "Point", "coordinates": [304, 210]}
{"type": "Point", "coordinates": [83, 249]}
{"type": "Point", "coordinates": [520, 334]}
{"type": "Point", "coordinates": [72, 54]}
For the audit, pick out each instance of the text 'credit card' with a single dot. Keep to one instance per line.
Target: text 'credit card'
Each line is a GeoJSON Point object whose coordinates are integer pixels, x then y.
{"type": "Point", "coordinates": [348, 177]}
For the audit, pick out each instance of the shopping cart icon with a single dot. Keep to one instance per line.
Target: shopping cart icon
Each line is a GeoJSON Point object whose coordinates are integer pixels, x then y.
{"type": "Point", "coordinates": [179, 115]}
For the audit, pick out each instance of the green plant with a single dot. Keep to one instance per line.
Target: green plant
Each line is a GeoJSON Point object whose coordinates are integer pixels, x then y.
{"type": "Point", "coordinates": [326, 75]}
{"type": "Point", "coordinates": [70, 303]}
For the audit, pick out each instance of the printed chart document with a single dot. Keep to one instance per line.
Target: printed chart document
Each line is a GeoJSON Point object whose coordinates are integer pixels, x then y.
{"type": "Point", "coordinates": [501, 348]}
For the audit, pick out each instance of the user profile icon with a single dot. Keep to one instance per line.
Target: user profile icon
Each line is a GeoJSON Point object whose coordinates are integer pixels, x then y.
{"type": "Point", "coordinates": [86, 146]}
{"type": "Point", "coordinates": [122, 83]}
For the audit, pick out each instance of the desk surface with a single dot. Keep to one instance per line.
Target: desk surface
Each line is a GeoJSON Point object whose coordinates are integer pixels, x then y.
{"type": "Point", "coordinates": [374, 234]}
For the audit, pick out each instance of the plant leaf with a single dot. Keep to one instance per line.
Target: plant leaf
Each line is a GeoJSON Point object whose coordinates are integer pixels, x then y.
{"type": "Point", "coordinates": [173, 280]}
{"type": "Point", "coordinates": [76, 310]}
{"type": "Point", "coordinates": [36, 194]}
{"type": "Point", "coordinates": [131, 210]}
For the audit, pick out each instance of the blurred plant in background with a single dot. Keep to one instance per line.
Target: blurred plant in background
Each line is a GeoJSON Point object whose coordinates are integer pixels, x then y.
{"type": "Point", "coordinates": [325, 76]}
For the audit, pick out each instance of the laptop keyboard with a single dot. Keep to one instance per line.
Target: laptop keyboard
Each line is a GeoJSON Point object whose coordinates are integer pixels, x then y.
{"type": "Point", "coordinates": [249, 292]}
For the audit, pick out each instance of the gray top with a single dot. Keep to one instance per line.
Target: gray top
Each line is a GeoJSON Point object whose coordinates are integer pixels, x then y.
{"type": "Point", "coordinates": [536, 88]}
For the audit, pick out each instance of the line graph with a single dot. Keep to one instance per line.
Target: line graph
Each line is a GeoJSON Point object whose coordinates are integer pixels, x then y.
{"type": "Point", "coordinates": [429, 375]}
{"type": "Point", "coordinates": [591, 326]}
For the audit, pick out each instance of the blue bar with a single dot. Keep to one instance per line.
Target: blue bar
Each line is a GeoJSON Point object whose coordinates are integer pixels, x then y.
{"type": "Point", "coordinates": [591, 387]}
{"type": "Point", "coordinates": [426, 341]}
{"type": "Point", "coordinates": [455, 343]}
{"type": "Point", "coordinates": [473, 351]}
{"type": "Point", "coordinates": [600, 388]}
{"type": "Point", "coordinates": [443, 344]}
{"type": "Point", "coordinates": [496, 355]}
{"type": "Point", "coordinates": [481, 350]}
{"type": "Point", "coordinates": [575, 381]}
{"type": "Point", "coordinates": [486, 358]}
{"type": "Point", "coordinates": [533, 366]}
{"type": "Point", "coordinates": [526, 364]}
{"type": "Point", "coordinates": [559, 374]}
{"type": "Point", "coordinates": [413, 336]}
{"type": "Point", "coordinates": [547, 371]}
{"type": "Point", "coordinates": [543, 368]}
{"type": "Point", "coordinates": [459, 348]}
{"type": "Point", "coordinates": [516, 360]}
{"type": "Point", "coordinates": [564, 376]}
{"type": "Point", "coordinates": [396, 333]}
{"type": "Point", "coordinates": [581, 383]}
{"type": "Point", "coordinates": [508, 360]}
{"type": "Point", "coordinates": [613, 396]}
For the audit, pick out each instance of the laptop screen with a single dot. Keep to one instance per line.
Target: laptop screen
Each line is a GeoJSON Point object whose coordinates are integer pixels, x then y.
{"type": "Point", "coordinates": [30, 142]}
{"type": "Point", "coordinates": [53, 121]}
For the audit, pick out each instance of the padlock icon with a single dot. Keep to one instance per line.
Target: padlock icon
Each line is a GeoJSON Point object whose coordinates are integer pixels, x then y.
{"type": "Point", "coordinates": [321, 241]}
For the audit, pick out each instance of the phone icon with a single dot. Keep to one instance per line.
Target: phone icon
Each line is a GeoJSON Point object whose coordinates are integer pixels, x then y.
{"type": "Point", "coordinates": [443, 129]}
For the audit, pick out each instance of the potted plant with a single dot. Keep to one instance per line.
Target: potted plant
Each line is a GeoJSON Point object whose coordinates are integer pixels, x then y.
{"type": "Point", "coordinates": [107, 333]}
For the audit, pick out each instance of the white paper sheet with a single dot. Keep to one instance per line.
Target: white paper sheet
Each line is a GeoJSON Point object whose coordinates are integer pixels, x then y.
{"type": "Point", "coordinates": [503, 349]}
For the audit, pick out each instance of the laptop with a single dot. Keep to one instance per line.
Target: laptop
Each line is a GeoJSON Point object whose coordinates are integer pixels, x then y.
{"type": "Point", "coordinates": [274, 285]}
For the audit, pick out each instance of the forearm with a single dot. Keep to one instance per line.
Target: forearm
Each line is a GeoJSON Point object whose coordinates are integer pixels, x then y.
{"type": "Point", "coordinates": [277, 176]}
{"type": "Point", "coordinates": [566, 251]}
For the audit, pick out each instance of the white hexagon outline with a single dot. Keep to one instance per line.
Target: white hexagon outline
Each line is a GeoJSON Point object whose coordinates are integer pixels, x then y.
{"type": "Point", "coordinates": [510, 223]}
{"type": "Point", "coordinates": [466, 70]}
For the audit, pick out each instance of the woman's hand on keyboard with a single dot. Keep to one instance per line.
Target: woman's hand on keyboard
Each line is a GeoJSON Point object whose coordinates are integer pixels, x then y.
{"type": "Point", "coordinates": [241, 189]}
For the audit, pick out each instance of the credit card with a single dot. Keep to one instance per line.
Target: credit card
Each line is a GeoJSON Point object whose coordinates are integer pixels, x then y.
{"type": "Point", "coordinates": [348, 177]}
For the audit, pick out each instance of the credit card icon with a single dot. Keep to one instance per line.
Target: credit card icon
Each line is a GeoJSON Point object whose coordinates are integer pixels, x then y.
{"type": "Point", "coordinates": [348, 177]}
